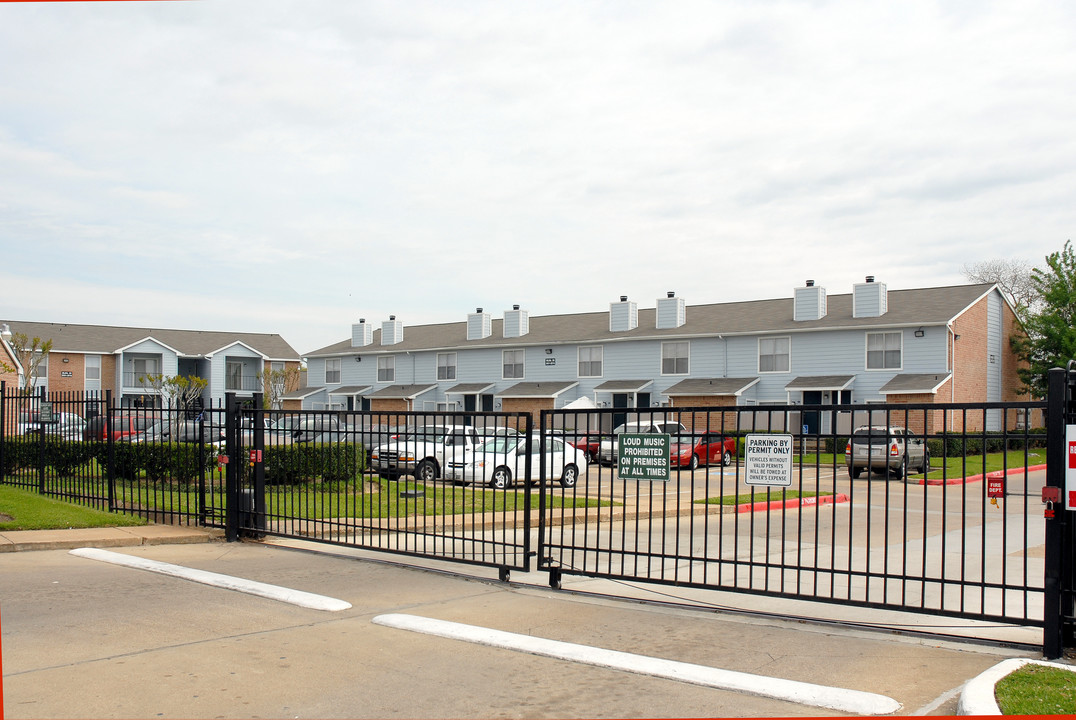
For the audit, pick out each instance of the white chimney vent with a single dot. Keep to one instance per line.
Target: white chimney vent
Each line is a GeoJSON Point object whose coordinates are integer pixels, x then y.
{"type": "Point", "coordinates": [516, 322]}
{"type": "Point", "coordinates": [809, 302]}
{"type": "Point", "coordinates": [479, 325]}
{"type": "Point", "coordinates": [362, 333]}
{"type": "Point", "coordinates": [623, 315]}
{"type": "Point", "coordinates": [869, 299]}
{"type": "Point", "coordinates": [391, 331]}
{"type": "Point", "coordinates": [671, 312]}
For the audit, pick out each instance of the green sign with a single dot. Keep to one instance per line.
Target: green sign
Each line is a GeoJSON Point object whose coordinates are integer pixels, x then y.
{"type": "Point", "coordinates": [643, 457]}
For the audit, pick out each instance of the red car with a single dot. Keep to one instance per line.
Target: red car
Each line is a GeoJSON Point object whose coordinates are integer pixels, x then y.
{"type": "Point", "coordinates": [706, 449]}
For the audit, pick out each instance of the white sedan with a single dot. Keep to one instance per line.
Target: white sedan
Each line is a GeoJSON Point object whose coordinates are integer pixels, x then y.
{"type": "Point", "coordinates": [499, 461]}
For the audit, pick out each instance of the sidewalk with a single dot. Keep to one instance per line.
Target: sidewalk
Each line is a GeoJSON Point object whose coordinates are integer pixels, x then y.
{"type": "Point", "coordinates": [105, 537]}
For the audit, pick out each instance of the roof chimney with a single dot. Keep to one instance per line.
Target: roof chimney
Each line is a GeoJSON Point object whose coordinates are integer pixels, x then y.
{"type": "Point", "coordinates": [623, 315]}
{"type": "Point", "coordinates": [869, 299]}
{"type": "Point", "coordinates": [479, 325]}
{"type": "Point", "coordinates": [671, 312]}
{"type": "Point", "coordinates": [362, 334]}
{"type": "Point", "coordinates": [516, 323]}
{"type": "Point", "coordinates": [809, 302]}
{"type": "Point", "coordinates": [391, 331]}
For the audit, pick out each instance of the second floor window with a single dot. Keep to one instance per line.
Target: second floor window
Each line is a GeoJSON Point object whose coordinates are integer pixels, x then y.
{"type": "Point", "coordinates": [446, 366]}
{"type": "Point", "coordinates": [234, 379]}
{"type": "Point", "coordinates": [773, 354]}
{"type": "Point", "coordinates": [884, 351]}
{"type": "Point", "coordinates": [513, 364]}
{"type": "Point", "coordinates": [93, 367]}
{"type": "Point", "coordinates": [590, 361]}
{"type": "Point", "coordinates": [332, 370]}
{"type": "Point", "coordinates": [386, 368]}
{"type": "Point", "coordinates": [674, 358]}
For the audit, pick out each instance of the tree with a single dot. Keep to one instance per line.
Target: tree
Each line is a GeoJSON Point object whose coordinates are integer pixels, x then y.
{"type": "Point", "coordinates": [278, 383]}
{"type": "Point", "coordinates": [1049, 337]}
{"type": "Point", "coordinates": [30, 353]}
{"type": "Point", "coordinates": [176, 391]}
{"type": "Point", "coordinates": [1013, 277]}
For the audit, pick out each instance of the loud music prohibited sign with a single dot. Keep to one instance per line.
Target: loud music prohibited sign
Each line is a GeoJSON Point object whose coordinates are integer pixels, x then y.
{"type": "Point", "coordinates": [1070, 467]}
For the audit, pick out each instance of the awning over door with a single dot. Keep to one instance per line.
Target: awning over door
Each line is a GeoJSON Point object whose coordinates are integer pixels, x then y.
{"type": "Point", "coordinates": [915, 384]}
{"type": "Point", "coordinates": [711, 386]}
{"type": "Point", "coordinates": [815, 383]}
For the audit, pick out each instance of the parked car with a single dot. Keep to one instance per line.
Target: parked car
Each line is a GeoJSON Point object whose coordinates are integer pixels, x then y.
{"type": "Point", "coordinates": [885, 449]}
{"type": "Point", "coordinates": [499, 461]}
{"type": "Point", "coordinates": [64, 425]}
{"type": "Point", "coordinates": [123, 426]}
{"type": "Point", "coordinates": [706, 449]}
{"type": "Point", "coordinates": [607, 449]}
{"type": "Point", "coordinates": [424, 451]}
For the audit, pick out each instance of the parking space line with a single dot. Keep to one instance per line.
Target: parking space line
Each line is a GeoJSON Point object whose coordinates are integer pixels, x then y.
{"type": "Point", "coordinates": [852, 701]}
{"type": "Point", "coordinates": [228, 582]}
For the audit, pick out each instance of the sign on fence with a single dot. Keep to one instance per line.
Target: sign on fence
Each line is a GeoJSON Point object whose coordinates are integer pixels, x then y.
{"type": "Point", "coordinates": [768, 460]}
{"type": "Point", "coordinates": [643, 457]}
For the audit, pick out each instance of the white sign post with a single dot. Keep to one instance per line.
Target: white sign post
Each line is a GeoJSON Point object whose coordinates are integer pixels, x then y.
{"type": "Point", "coordinates": [768, 460]}
{"type": "Point", "coordinates": [1069, 500]}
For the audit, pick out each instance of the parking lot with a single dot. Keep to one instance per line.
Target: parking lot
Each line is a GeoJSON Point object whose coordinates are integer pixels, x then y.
{"type": "Point", "coordinates": [83, 638]}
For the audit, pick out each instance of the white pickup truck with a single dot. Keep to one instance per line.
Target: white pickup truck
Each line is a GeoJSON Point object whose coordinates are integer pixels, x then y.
{"type": "Point", "coordinates": [423, 451]}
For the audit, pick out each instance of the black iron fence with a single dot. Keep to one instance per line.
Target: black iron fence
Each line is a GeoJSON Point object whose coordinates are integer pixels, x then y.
{"type": "Point", "coordinates": [929, 508]}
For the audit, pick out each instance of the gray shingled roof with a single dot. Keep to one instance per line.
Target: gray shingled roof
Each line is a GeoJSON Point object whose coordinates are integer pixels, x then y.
{"type": "Point", "coordinates": [922, 306]}
{"type": "Point", "coordinates": [622, 386]}
{"type": "Point", "coordinates": [401, 391]}
{"type": "Point", "coordinates": [536, 389]}
{"type": "Point", "coordinates": [469, 388]}
{"type": "Point", "coordinates": [105, 339]}
{"type": "Point", "coordinates": [821, 382]}
{"type": "Point", "coordinates": [914, 383]}
{"type": "Point", "coordinates": [711, 386]}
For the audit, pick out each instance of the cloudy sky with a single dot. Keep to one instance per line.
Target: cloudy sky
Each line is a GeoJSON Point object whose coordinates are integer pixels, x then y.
{"type": "Point", "coordinates": [291, 166]}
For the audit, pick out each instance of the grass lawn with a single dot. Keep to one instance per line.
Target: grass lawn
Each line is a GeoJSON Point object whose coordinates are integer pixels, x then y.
{"type": "Point", "coordinates": [950, 467]}
{"type": "Point", "coordinates": [30, 511]}
{"type": "Point", "coordinates": [760, 497]}
{"type": "Point", "coordinates": [1037, 690]}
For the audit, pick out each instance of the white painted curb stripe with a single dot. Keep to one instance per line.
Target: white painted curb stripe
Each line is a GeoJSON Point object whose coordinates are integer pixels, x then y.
{"type": "Point", "coordinates": [251, 587]}
{"type": "Point", "coordinates": [852, 701]}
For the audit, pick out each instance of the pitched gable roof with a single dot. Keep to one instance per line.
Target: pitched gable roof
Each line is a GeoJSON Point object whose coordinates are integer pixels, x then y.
{"type": "Point", "coordinates": [922, 306]}
{"type": "Point", "coordinates": [106, 340]}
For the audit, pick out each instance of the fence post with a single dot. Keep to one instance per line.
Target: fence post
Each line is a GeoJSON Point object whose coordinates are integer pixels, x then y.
{"type": "Point", "coordinates": [1056, 416]}
{"type": "Point", "coordinates": [231, 470]}
{"type": "Point", "coordinates": [3, 426]}
{"type": "Point", "coordinates": [41, 445]}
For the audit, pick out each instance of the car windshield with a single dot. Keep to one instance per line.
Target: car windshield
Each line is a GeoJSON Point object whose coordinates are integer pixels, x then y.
{"type": "Point", "coordinates": [500, 445]}
{"type": "Point", "coordinates": [865, 436]}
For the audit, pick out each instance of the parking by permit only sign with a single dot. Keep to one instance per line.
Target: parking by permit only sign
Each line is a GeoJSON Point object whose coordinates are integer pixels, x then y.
{"type": "Point", "coordinates": [643, 457]}
{"type": "Point", "coordinates": [768, 460]}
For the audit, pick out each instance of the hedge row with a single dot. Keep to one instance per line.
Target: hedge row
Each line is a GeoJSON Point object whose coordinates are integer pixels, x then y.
{"type": "Point", "coordinates": [961, 446]}
{"type": "Point", "coordinates": [179, 462]}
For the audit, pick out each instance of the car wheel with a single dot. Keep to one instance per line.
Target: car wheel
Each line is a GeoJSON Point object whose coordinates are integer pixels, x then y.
{"type": "Point", "coordinates": [854, 472]}
{"type": "Point", "coordinates": [726, 458]}
{"type": "Point", "coordinates": [694, 461]}
{"type": "Point", "coordinates": [926, 463]}
{"type": "Point", "coordinates": [902, 469]}
{"type": "Point", "coordinates": [570, 476]}
{"type": "Point", "coordinates": [502, 478]}
{"type": "Point", "coordinates": [426, 471]}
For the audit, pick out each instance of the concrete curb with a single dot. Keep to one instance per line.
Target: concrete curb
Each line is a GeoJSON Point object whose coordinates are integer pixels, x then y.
{"type": "Point", "coordinates": [19, 540]}
{"type": "Point", "coordinates": [977, 697]}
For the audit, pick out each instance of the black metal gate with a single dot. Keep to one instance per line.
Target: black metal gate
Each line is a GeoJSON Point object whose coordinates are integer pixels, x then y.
{"type": "Point", "coordinates": [1060, 502]}
{"type": "Point", "coordinates": [945, 516]}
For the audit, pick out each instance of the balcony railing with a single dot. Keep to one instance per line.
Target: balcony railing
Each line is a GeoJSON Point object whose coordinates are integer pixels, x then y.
{"type": "Point", "coordinates": [243, 383]}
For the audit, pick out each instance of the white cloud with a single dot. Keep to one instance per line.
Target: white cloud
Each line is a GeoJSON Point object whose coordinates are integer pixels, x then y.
{"type": "Point", "coordinates": [295, 166]}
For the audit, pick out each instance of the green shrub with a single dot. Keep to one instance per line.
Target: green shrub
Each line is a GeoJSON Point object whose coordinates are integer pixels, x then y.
{"type": "Point", "coordinates": [310, 462]}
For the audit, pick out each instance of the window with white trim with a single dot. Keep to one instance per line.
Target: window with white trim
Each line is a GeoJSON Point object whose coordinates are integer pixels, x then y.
{"type": "Point", "coordinates": [774, 354]}
{"type": "Point", "coordinates": [590, 361]}
{"type": "Point", "coordinates": [93, 367]}
{"type": "Point", "coordinates": [446, 366]}
{"type": "Point", "coordinates": [512, 363]}
{"type": "Point", "coordinates": [674, 358]}
{"type": "Point", "coordinates": [386, 368]}
{"type": "Point", "coordinates": [332, 370]}
{"type": "Point", "coordinates": [884, 350]}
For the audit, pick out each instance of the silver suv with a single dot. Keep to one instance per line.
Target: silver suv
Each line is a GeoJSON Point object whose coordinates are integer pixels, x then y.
{"type": "Point", "coordinates": [885, 449]}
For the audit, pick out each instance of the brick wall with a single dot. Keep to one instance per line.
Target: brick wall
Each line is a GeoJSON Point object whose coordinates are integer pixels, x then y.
{"type": "Point", "coordinates": [533, 406]}
{"type": "Point", "coordinates": [698, 422]}
{"type": "Point", "coordinates": [75, 365]}
{"type": "Point", "coordinates": [388, 405]}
